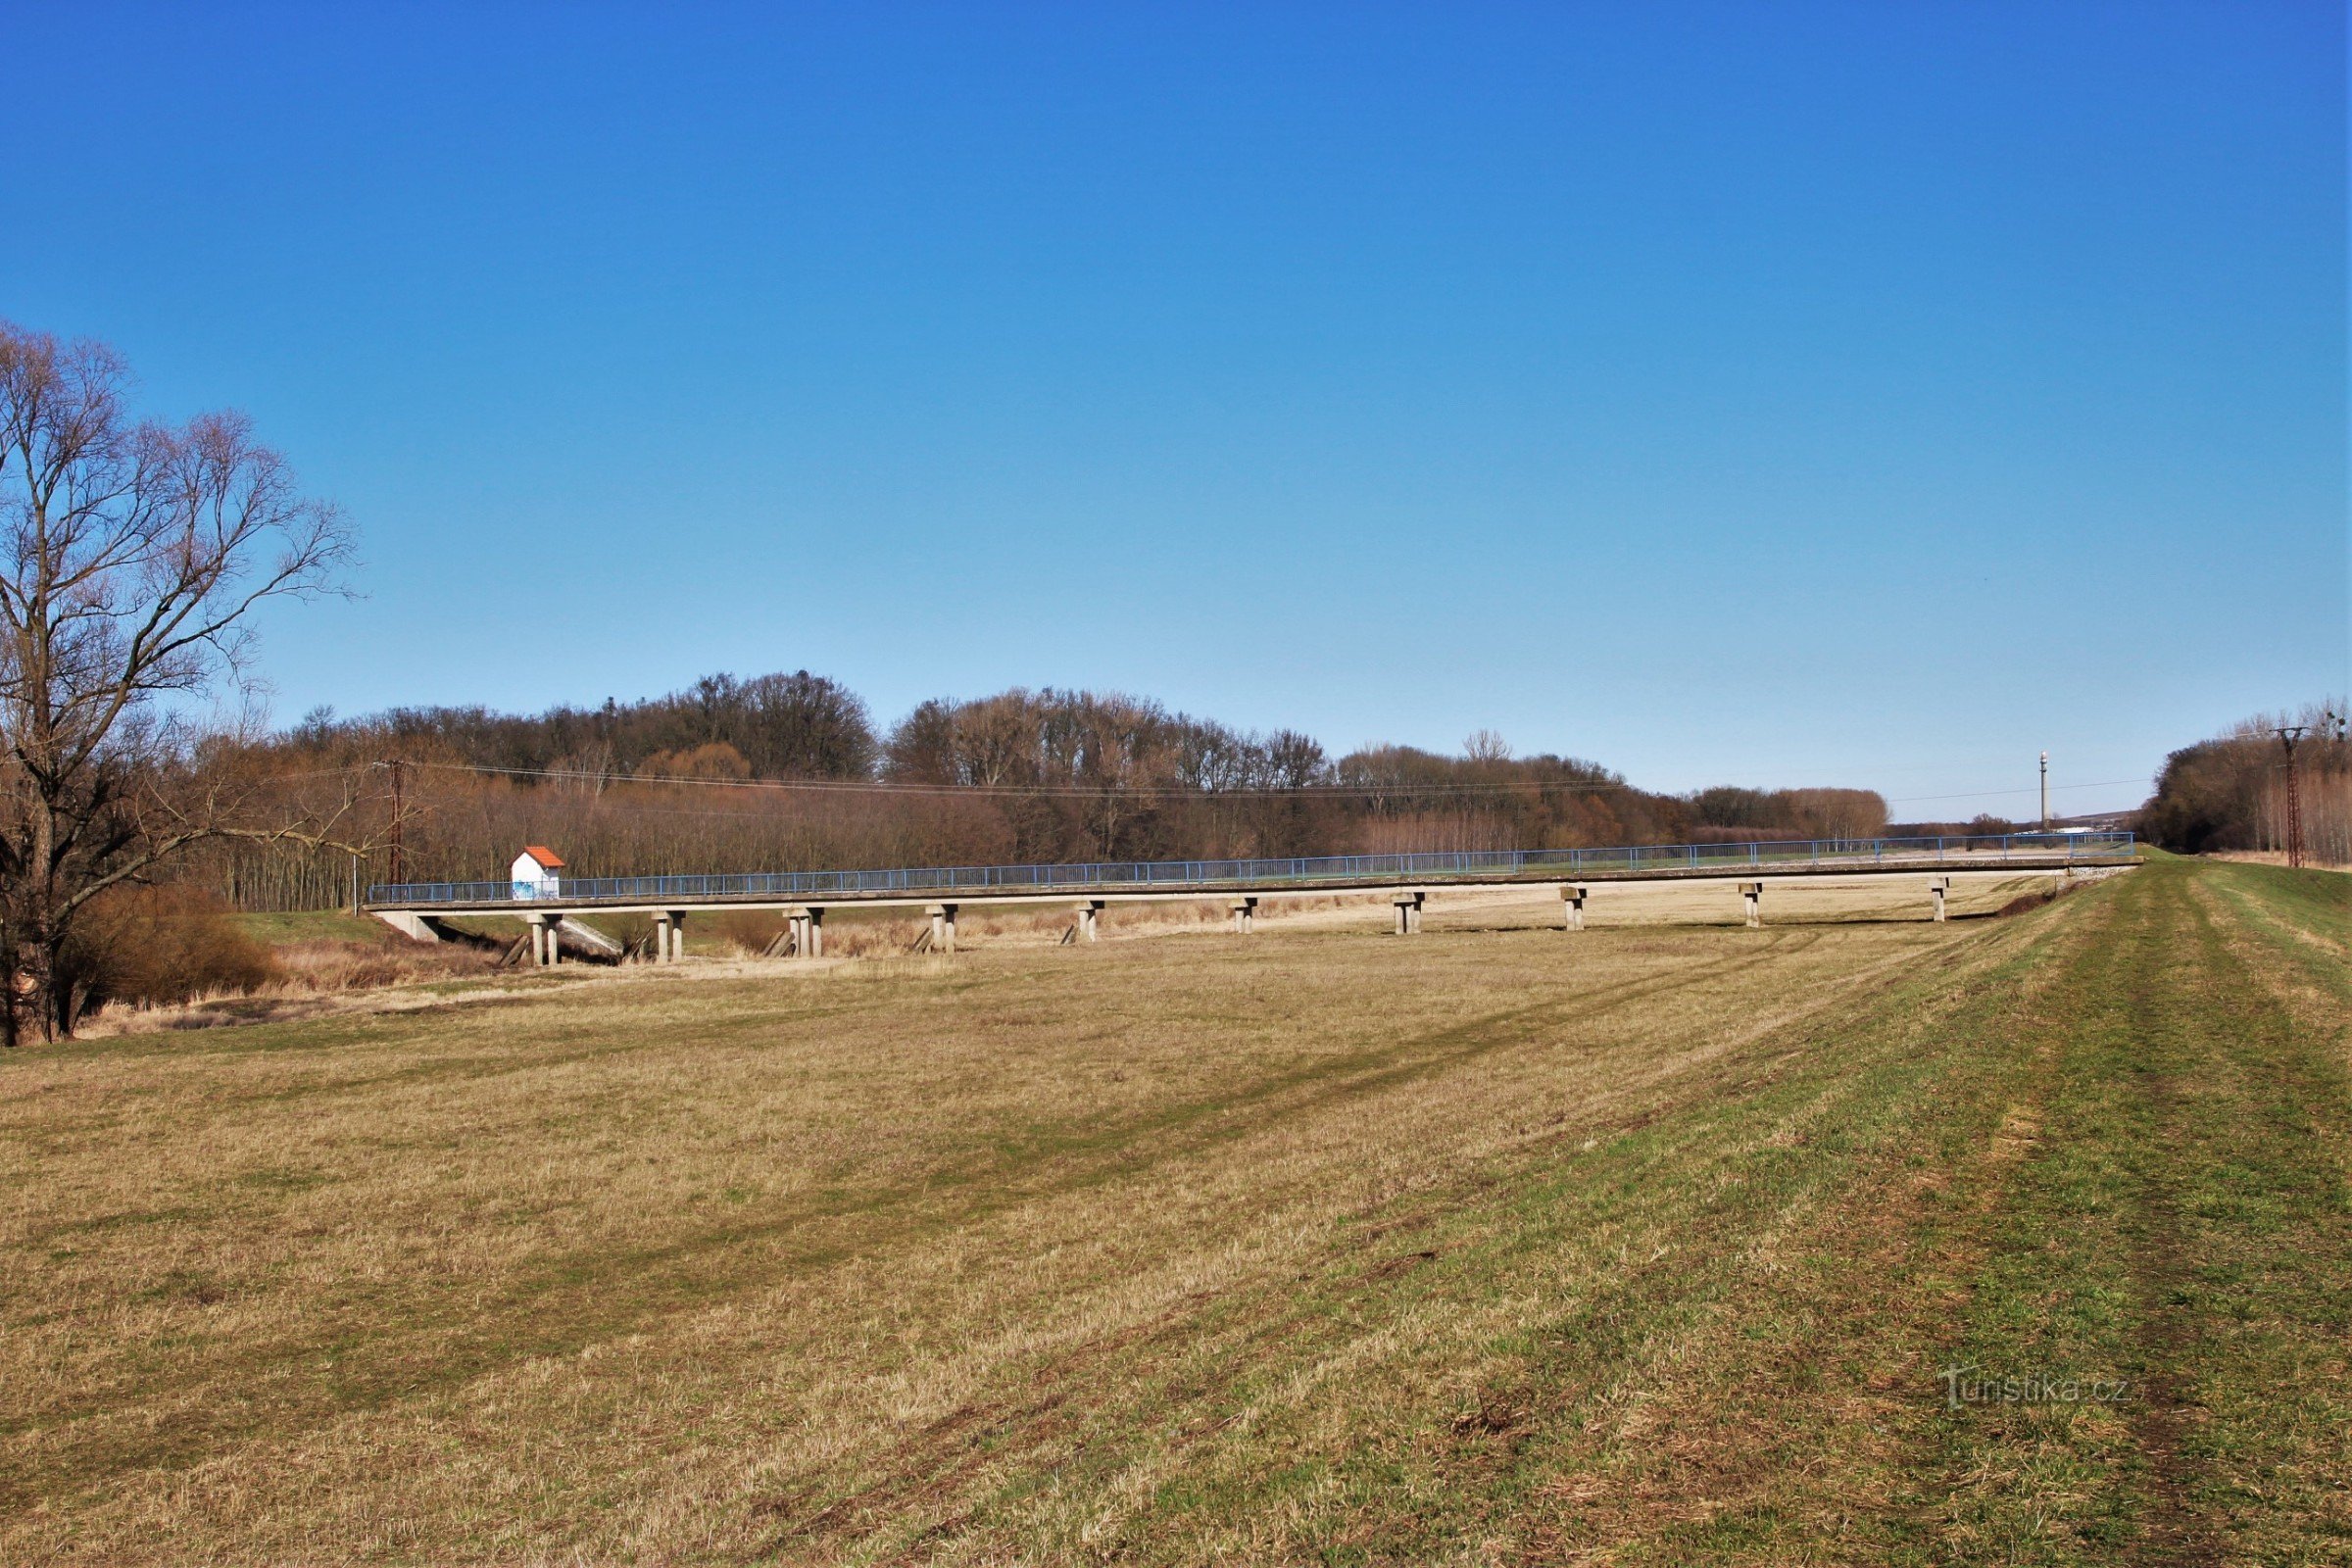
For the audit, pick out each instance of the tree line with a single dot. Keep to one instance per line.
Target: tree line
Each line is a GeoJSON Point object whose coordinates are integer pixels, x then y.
{"type": "Point", "coordinates": [788, 771]}
{"type": "Point", "coordinates": [2229, 792]}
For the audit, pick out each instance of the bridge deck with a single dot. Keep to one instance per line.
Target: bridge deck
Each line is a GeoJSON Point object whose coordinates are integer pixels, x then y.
{"type": "Point", "coordinates": [1135, 881]}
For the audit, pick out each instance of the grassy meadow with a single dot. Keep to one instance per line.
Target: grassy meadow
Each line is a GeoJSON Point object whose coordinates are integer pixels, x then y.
{"type": "Point", "coordinates": [1667, 1240]}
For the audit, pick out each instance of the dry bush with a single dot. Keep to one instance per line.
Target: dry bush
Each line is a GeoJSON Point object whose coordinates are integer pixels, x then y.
{"type": "Point", "coordinates": [751, 931]}
{"type": "Point", "coordinates": [867, 939]}
{"type": "Point", "coordinates": [307, 978]}
{"type": "Point", "coordinates": [159, 944]}
{"type": "Point", "coordinates": [323, 965]}
{"type": "Point", "coordinates": [634, 932]}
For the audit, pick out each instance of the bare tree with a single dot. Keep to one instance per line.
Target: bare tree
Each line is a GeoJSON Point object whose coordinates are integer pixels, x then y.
{"type": "Point", "coordinates": [1486, 746]}
{"type": "Point", "coordinates": [132, 556]}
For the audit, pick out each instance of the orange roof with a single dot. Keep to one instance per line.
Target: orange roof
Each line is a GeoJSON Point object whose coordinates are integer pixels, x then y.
{"type": "Point", "coordinates": [546, 856]}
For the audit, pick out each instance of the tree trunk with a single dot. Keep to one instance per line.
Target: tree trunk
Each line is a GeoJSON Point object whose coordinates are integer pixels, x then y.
{"type": "Point", "coordinates": [9, 1009]}
{"type": "Point", "coordinates": [41, 999]}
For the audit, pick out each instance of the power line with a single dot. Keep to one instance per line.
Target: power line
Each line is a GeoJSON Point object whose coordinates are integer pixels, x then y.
{"type": "Point", "coordinates": [1098, 791]}
{"type": "Point", "coordinates": [1189, 792]}
{"type": "Point", "coordinates": [1971, 795]}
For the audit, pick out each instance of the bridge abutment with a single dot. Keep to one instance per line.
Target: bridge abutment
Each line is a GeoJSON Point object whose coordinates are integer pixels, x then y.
{"type": "Point", "coordinates": [415, 927]}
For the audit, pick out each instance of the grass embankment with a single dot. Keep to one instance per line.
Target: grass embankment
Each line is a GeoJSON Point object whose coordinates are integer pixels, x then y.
{"type": "Point", "coordinates": [1644, 1245]}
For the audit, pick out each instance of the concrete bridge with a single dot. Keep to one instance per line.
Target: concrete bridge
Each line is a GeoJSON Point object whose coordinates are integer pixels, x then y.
{"type": "Point", "coordinates": [552, 911]}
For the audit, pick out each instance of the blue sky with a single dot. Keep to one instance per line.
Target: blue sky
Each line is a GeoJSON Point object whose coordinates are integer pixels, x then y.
{"type": "Point", "coordinates": [1769, 394]}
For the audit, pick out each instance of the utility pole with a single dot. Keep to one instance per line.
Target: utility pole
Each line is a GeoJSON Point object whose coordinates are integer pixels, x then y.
{"type": "Point", "coordinates": [400, 860]}
{"type": "Point", "coordinates": [2045, 792]}
{"type": "Point", "coordinates": [2287, 735]}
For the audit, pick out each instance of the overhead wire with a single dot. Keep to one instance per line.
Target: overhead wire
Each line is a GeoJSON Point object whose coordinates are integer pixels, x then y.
{"type": "Point", "coordinates": [1182, 792]}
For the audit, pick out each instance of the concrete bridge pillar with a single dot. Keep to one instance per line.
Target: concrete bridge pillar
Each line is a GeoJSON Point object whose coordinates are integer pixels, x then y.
{"type": "Point", "coordinates": [1938, 886]}
{"type": "Point", "coordinates": [1408, 911]}
{"type": "Point", "coordinates": [1752, 894]}
{"type": "Point", "coordinates": [1088, 910]}
{"type": "Point", "coordinates": [671, 929]}
{"type": "Point", "coordinates": [1245, 916]}
{"type": "Point", "coordinates": [546, 948]}
{"type": "Point", "coordinates": [943, 927]}
{"type": "Point", "coordinates": [808, 923]}
{"type": "Point", "coordinates": [1572, 905]}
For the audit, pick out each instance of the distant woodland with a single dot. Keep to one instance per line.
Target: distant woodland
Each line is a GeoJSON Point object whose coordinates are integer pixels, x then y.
{"type": "Point", "coordinates": [790, 771]}
{"type": "Point", "coordinates": [2230, 792]}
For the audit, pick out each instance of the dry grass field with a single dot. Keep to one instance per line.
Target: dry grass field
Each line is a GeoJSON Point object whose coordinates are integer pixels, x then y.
{"type": "Point", "coordinates": [1650, 1243]}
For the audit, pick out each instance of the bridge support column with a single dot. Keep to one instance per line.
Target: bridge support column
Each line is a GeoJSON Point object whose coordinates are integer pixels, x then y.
{"type": "Point", "coordinates": [1245, 916]}
{"type": "Point", "coordinates": [808, 930]}
{"type": "Point", "coordinates": [1087, 912]}
{"type": "Point", "coordinates": [1572, 906]}
{"type": "Point", "coordinates": [1938, 886]}
{"type": "Point", "coordinates": [1752, 895]}
{"type": "Point", "coordinates": [669, 937]}
{"type": "Point", "coordinates": [547, 947]}
{"type": "Point", "coordinates": [1408, 911]}
{"type": "Point", "coordinates": [943, 929]}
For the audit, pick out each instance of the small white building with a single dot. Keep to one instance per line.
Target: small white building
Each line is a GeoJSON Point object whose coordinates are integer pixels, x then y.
{"type": "Point", "coordinates": [538, 872]}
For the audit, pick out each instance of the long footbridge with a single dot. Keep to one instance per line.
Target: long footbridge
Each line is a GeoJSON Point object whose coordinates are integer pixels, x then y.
{"type": "Point", "coordinates": [550, 907]}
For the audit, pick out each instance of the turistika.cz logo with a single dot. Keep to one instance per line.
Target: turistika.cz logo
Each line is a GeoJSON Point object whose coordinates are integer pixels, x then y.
{"type": "Point", "coordinates": [1970, 1385]}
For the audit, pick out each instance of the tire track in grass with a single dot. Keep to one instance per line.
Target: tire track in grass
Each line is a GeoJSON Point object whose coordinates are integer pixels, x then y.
{"type": "Point", "coordinates": [2267, 1206]}
{"type": "Point", "coordinates": [1703, 1176]}
{"type": "Point", "coordinates": [569, 1302]}
{"type": "Point", "coordinates": [2181, 1228]}
{"type": "Point", "coordinates": [1780, 1421]}
{"type": "Point", "coordinates": [2117, 1156]}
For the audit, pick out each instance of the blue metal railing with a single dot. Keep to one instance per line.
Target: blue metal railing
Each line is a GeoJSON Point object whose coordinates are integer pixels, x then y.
{"type": "Point", "coordinates": [2074, 847]}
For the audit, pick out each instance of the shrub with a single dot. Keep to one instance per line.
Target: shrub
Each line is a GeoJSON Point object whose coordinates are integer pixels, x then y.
{"type": "Point", "coordinates": [750, 930]}
{"type": "Point", "coordinates": [156, 945]}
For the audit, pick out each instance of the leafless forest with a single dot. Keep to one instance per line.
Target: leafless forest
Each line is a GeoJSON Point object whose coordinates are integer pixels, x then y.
{"type": "Point", "coordinates": [788, 771]}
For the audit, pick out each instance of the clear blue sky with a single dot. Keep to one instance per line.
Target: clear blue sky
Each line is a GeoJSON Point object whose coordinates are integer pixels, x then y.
{"type": "Point", "coordinates": [1868, 393]}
